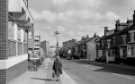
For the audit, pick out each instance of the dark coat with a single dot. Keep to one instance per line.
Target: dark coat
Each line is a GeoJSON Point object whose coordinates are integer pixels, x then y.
{"type": "Point", "coordinates": [57, 67]}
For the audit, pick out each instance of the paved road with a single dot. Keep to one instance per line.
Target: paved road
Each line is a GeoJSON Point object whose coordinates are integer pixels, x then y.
{"type": "Point", "coordinates": [84, 73]}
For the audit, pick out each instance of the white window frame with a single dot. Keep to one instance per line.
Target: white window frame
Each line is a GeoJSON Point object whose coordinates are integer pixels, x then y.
{"type": "Point", "coordinates": [132, 35]}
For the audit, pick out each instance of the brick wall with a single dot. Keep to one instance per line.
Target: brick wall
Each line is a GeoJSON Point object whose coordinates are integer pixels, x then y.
{"type": "Point", "coordinates": [3, 77]}
{"type": "Point", "coordinates": [3, 36]}
{"type": "Point", "coordinates": [3, 28]}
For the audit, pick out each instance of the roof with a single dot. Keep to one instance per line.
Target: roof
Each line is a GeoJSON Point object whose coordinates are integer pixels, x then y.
{"type": "Point", "coordinates": [110, 32]}
{"type": "Point", "coordinates": [95, 37]}
{"type": "Point", "coordinates": [131, 27]}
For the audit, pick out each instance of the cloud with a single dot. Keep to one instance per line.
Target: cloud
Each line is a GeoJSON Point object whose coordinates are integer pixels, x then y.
{"type": "Point", "coordinates": [86, 16]}
{"type": "Point", "coordinates": [35, 14]}
{"type": "Point", "coordinates": [60, 2]}
{"type": "Point", "coordinates": [112, 16]}
{"type": "Point", "coordinates": [78, 3]}
{"type": "Point", "coordinates": [75, 18]}
{"type": "Point", "coordinates": [90, 3]}
{"type": "Point", "coordinates": [61, 28]}
{"type": "Point", "coordinates": [46, 15]}
{"type": "Point", "coordinates": [64, 17]}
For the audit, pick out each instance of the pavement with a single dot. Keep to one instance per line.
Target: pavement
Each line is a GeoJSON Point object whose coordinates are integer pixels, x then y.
{"type": "Point", "coordinates": [42, 76]}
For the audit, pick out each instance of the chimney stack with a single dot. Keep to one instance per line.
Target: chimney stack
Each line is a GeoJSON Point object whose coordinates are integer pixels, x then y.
{"type": "Point", "coordinates": [105, 30]}
{"type": "Point", "coordinates": [117, 24]}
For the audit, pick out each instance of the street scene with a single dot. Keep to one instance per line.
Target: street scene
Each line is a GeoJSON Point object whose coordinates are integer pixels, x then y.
{"type": "Point", "coordinates": [67, 41]}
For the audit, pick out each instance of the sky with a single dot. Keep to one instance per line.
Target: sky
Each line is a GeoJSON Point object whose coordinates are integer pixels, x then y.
{"type": "Point", "coordinates": [76, 18]}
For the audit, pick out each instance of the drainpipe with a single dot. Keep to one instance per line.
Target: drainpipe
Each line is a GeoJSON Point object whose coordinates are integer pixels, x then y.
{"type": "Point", "coordinates": [105, 44]}
{"type": "Point", "coordinates": [117, 57]}
{"type": "Point", "coordinates": [27, 44]}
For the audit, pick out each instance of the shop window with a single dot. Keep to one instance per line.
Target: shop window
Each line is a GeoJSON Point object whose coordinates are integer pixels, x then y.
{"type": "Point", "coordinates": [11, 38]}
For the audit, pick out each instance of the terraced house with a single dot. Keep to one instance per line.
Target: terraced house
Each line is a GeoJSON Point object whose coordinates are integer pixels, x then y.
{"type": "Point", "coordinates": [117, 45]}
{"type": "Point", "coordinates": [15, 25]}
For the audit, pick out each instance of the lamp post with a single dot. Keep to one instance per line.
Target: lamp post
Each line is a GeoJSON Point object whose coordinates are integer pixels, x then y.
{"type": "Point", "coordinates": [107, 53]}
{"type": "Point", "coordinates": [57, 42]}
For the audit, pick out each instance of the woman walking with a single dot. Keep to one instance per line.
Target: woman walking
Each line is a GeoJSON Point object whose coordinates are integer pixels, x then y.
{"type": "Point", "coordinates": [57, 68]}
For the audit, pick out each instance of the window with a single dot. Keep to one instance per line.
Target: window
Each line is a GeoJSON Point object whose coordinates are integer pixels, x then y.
{"type": "Point", "coordinates": [134, 36]}
{"type": "Point", "coordinates": [132, 50]}
{"type": "Point", "coordinates": [129, 36]}
{"type": "Point", "coordinates": [124, 39]}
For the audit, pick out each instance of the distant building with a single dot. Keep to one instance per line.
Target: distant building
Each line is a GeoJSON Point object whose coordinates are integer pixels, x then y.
{"type": "Point", "coordinates": [37, 41]}
{"type": "Point", "coordinates": [83, 47]}
{"type": "Point", "coordinates": [45, 46]}
{"type": "Point", "coordinates": [68, 45]}
{"type": "Point", "coordinates": [31, 40]}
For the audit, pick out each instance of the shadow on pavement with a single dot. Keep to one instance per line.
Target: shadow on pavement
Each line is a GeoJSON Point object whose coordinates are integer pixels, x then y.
{"type": "Point", "coordinates": [44, 79]}
{"type": "Point", "coordinates": [112, 68]}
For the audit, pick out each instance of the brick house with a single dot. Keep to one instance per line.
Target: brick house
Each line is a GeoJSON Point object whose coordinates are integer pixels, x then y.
{"type": "Point", "coordinates": [109, 44]}
{"type": "Point", "coordinates": [122, 38]}
{"type": "Point", "coordinates": [131, 43]}
{"type": "Point", "coordinates": [100, 49]}
{"type": "Point", "coordinates": [15, 24]}
{"type": "Point", "coordinates": [117, 44]}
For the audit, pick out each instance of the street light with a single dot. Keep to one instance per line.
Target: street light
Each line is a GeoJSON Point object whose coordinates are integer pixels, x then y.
{"type": "Point", "coordinates": [57, 44]}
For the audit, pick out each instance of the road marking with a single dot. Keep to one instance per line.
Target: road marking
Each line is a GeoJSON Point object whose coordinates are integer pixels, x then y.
{"type": "Point", "coordinates": [66, 79]}
{"type": "Point", "coordinates": [93, 68]}
{"type": "Point", "coordinates": [123, 76]}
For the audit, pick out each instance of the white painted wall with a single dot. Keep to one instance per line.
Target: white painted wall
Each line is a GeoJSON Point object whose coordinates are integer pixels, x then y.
{"type": "Point", "coordinates": [91, 51]}
{"type": "Point", "coordinates": [14, 5]}
{"type": "Point", "coordinates": [12, 31]}
{"type": "Point", "coordinates": [11, 61]}
{"type": "Point", "coordinates": [22, 35]}
{"type": "Point", "coordinates": [15, 31]}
